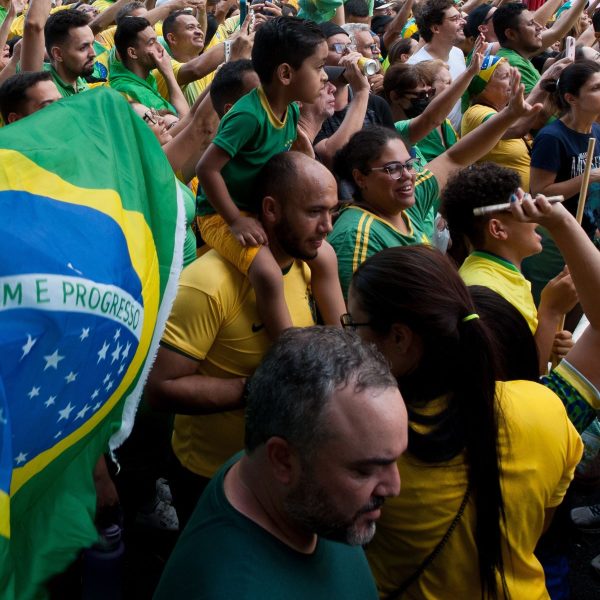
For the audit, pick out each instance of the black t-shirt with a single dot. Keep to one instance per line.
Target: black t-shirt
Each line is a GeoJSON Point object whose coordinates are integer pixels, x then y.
{"type": "Point", "coordinates": [378, 113]}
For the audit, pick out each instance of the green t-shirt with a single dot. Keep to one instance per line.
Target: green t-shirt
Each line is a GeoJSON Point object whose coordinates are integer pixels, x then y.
{"type": "Point", "coordinates": [251, 134]}
{"type": "Point", "coordinates": [64, 88]}
{"type": "Point", "coordinates": [222, 554]}
{"type": "Point", "coordinates": [189, 246]}
{"type": "Point", "coordinates": [431, 146]}
{"type": "Point", "coordinates": [529, 74]}
{"type": "Point", "coordinates": [358, 233]}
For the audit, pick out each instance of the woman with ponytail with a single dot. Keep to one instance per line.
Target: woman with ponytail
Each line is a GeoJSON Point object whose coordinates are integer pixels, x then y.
{"type": "Point", "coordinates": [559, 157]}
{"type": "Point", "coordinates": [486, 462]}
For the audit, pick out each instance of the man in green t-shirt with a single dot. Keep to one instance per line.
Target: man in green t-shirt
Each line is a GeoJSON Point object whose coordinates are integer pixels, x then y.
{"type": "Point", "coordinates": [521, 37]}
{"type": "Point", "coordinates": [70, 46]}
{"type": "Point", "coordinates": [286, 519]}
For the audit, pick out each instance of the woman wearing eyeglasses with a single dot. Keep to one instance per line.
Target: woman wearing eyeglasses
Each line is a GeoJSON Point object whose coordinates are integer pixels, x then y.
{"type": "Point", "coordinates": [392, 204]}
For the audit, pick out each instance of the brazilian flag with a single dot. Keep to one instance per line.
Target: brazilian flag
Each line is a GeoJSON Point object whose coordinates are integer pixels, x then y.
{"type": "Point", "coordinates": [91, 239]}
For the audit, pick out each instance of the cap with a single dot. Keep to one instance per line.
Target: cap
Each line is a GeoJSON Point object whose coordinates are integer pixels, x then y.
{"type": "Point", "coordinates": [382, 4]}
{"type": "Point", "coordinates": [475, 19]}
{"type": "Point", "coordinates": [334, 73]}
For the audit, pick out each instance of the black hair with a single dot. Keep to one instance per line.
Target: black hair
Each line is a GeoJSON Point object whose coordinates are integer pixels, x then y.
{"type": "Point", "coordinates": [428, 13]}
{"type": "Point", "coordinates": [475, 19]}
{"type": "Point", "coordinates": [514, 344]}
{"type": "Point", "coordinates": [418, 287]}
{"type": "Point", "coordinates": [127, 10]}
{"type": "Point", "coordinates": [481, 184]}
{"type": "Point", "coordinates": [127, 32]}
{"type": "Point", "coordinates": [329, 29]}
{"type": "Point", "coordinates": [362, 148]}
{"type": "Point", "coordinates": [570, 81]}
{"type": "Point", "coordinates": [169, 22]}
{"type": "Point", "coordinates": [507, 17]}
{"type": "Point", "coordinates": [356, 8]}
{"type": "Point", "coordinates": [596, 21]}
{"type": "Point", "coordinates": [59, 24]}
{"type": "Point", "coordinates": [283, 40]}
{"type": "Point", "coordinates": [400, 78]}
{"type": "Point", "coordinates": [228, 85]}
{"type": "Point", "coordinates": [13, 91]}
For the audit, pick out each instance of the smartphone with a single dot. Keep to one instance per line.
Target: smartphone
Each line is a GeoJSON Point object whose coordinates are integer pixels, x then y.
{"type": "Point", "coordinates": [243, 10]}
{"type": "Point", "coordinates": [570, 47]}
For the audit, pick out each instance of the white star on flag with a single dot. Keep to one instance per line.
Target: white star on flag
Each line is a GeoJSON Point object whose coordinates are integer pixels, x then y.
{"type": "Point", "coordinates": [106, 378]}
{"type": "Point", "coordinates": [65, 413]}
{"type": "Point", "coordinates": [21, 458]}
{"type": "Point", "coordinates": [71, 377]}
{"type": "Point", "coordinates": [28, 346]}
{"type": "Point", "coordinates": [35, 391]}
{"type": "Point", "coordinates": [52, 360]}
{"type": "Point", "coordinates": [102, 352]}
{"type": "Point", "coordinates": [117, 335]}
{"type": "Point", "coordinates": [85, 332]}
{"type": "Point", "coordinates": [116, 352]}
{"type": "Point", "coordinates": [95, 394]}
{"type": "Point", "coordinates": [81, 413]}
{"type": "Point", "coordinates": [109, 385]}
{"type": "Point", "coordinates": [125, 353]}
{"type": "Point", "coordinates": [50, 401]}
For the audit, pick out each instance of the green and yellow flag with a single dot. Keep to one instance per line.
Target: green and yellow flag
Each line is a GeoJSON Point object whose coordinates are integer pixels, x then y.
{"type": "Point", "coordinates": [91, 240]}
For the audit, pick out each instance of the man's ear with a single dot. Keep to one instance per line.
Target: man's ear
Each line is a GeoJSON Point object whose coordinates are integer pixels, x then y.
{"type": "Point", "coordinates": [271, 210]}
{"type": "Point", "coordinates": [170, 38]}
{"type": "Point", "coordinates": [497, 230]}
{"type": "Point", "coordinates": [132, 53]}
{"type": "Point", "coordinates": [284, 73]}
{"type": "Point", "coordinates": [282, 460]}
{"type": "Point", "coordinates": [511, 34]}
{"type": "Point", "coordinates": [12, 117]}
{"type": "Point", "coordinates": [56, 54]}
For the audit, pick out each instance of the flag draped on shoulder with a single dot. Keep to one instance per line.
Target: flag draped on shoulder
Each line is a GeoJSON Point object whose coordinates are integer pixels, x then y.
{"type": "Point", "coordinates": [91, 239]}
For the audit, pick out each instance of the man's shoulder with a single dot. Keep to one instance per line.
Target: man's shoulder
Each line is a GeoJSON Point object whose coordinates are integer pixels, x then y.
{"type": "Point", "coordinates": [419, 56]}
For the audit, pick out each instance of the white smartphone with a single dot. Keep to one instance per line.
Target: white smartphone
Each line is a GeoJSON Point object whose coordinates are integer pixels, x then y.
{"type": "Point", "coordinates": [570, 47]}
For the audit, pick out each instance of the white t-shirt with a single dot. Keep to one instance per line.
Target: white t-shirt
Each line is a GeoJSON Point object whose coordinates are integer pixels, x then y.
{"type": "Point", "coordinates": [456, 63]}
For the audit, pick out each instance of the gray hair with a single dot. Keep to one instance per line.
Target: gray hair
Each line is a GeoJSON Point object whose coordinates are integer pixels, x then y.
{"type": "Point", "coordinates": [291, 389]}
{"type": "Point", "coordinates": [353, 28]}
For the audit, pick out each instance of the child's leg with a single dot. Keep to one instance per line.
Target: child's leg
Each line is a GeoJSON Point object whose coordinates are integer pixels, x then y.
{"type": "Point", "coordinates": [266, 279]}
{"type": "Point", "coordinates": [325, 283]}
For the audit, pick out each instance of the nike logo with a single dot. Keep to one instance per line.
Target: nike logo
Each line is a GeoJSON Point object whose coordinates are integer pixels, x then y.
{"type": "Point", "coordinates": [256, 328]}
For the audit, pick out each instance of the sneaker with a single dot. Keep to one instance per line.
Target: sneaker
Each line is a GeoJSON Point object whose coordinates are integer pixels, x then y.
{"type": "Point", "coordinates": [162, 516]}
{"type": "Point", "coordinates": [587, 518]}
{"type": "Point", "coordinates": [163, 491]}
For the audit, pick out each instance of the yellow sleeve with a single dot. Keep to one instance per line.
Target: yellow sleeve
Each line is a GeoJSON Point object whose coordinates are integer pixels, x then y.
{"type": "Point", "coordinates": [474, 117]}
{"type": "Point", "coordinates": [107, 37]}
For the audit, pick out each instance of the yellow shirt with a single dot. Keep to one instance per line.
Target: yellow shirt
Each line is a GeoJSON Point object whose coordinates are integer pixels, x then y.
{"type": "Point", "coordinates": [107, 37]}
{"type": "Point", "coordinates": [191, 90]}
{"type": "Point", "coordinates": [495, 273]}
{"type": "Point", "coordinates": [214, 320]}
{"type": "Point", "coordinates": [512, 154]}
{"type": "Point", "coordinates": [539, 449]}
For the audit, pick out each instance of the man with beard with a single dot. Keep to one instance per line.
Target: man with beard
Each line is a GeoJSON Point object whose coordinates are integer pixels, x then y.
{"type": "Point", "coordinates": [325, 424]}
{"type": "Point", "coordinates": [70, 48]}
{"type": "Point", "coordinates": [215, 339]}
{"type": "Point", "coordinates": [441, 26]}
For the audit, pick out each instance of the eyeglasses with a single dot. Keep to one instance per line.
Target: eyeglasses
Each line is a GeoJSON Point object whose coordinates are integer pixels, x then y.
{"type": "Point", "coordinates": [348, 323]}
{"type": "Point", "coordinates": [374, 48]}
{"type": "Point", "coordinates": [422, 95]}
{"type": "Point", "coordinates": [395, 169]}
{"type": "Point", "coordinates": [339, 48]}
{"type": "Point", "coordinates": [151, 117]}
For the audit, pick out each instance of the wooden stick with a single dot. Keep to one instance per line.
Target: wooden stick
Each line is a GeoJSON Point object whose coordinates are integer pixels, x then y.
{"type": "Point", "coordinates": [585, 182]}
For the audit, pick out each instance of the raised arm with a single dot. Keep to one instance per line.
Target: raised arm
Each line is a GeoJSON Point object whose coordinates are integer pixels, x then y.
{"type": "Point", "coordinates": [439, 108]}
{"type": "Point", "coordinates": [32, 52]}
{"type": "Point", "coordinates": [394, 29]}
{"type": "Point", "coordinates": [107, 17]}
{"type": "Point", "coordinates": [562, 26]}
{"type": "Point", "coordinates": [176, 97]}
{"type": "Point", "coordinates": [481, 140]}
{"type": "Point", "coordinates": [544, 13]}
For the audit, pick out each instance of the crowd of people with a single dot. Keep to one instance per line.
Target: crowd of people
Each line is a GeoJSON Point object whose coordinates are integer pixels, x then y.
{"type": "Point", "coordinates": [388, 218]}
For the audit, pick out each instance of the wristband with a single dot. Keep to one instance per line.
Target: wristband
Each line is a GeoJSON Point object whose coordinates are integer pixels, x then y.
{"type": "Point", "coordinates": [227, 44]}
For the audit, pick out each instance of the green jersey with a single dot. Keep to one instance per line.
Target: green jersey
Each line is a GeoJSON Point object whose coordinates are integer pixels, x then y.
{"type": "Point", "coordinates": [251, 134]}
{"type": "Point", "coordinates": [359, 233]}
{"type": "Point", "coordinates": [431, 146]}
{"type": "Point", "coordinates": [529, 74]}
{"type": "Point", "coordinates": [66, 89]}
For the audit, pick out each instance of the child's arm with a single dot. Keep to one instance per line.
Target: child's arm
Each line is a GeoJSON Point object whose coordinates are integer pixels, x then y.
{"type": "Point", "coordinates": [558, 298]}
{"type": "Point", "coordinates": [325, 283]}
{"type": "Point", "coordinates": [247, 230]}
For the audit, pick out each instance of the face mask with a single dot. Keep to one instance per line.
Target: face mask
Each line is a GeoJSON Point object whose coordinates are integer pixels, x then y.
{"type": "Point", "coordinates": [417, 106]}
